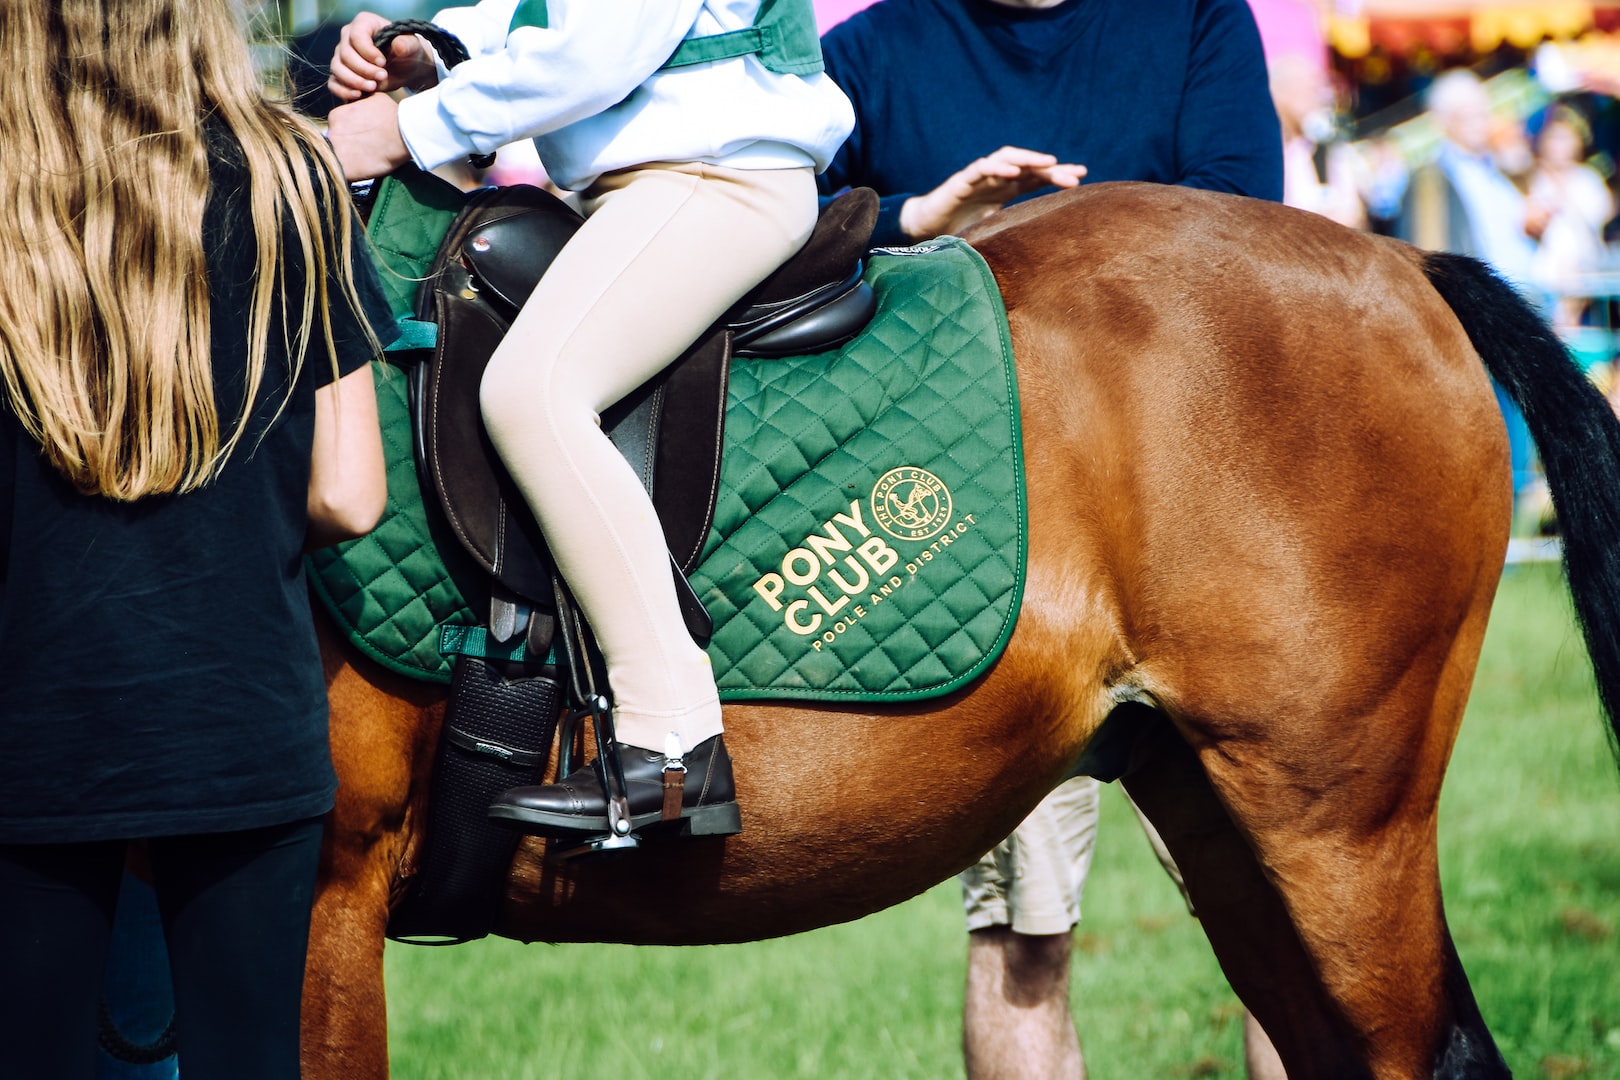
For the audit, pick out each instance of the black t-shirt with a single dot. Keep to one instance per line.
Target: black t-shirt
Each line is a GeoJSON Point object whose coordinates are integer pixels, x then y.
{"type": "Point", "coordinates": [159, 673]}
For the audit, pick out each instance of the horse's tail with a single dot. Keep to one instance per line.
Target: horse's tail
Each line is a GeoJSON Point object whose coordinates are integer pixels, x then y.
{"type": "Point", "coordinates": [1579, 440]}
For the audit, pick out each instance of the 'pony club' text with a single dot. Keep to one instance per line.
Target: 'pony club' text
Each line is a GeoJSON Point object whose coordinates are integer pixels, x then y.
{"type": "Point", "coordinates": [835, 576]}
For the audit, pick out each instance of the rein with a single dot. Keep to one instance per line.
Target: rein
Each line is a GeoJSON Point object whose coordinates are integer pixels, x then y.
{"type": "Point", "coordinates": [449, 47]}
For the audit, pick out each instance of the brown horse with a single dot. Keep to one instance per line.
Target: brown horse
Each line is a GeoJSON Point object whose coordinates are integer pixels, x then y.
{"type": "Point", "coordinates": [1269, 503]}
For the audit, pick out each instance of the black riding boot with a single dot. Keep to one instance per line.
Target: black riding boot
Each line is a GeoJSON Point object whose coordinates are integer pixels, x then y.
{"type": "Point", "coordinates": [702, 799]}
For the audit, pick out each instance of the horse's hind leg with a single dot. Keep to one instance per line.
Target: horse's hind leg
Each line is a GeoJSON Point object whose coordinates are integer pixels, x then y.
{"type": "Point", "coordinates": [1309, 849]}
{"type": "Point", "coordinates": [1242, 914]}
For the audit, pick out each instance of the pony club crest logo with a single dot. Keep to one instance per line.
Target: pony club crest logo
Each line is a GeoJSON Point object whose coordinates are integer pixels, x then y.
{"type": "Point", "coordinates": [911, 504]}
{"type": "Point", "coordinates": [836, 576]}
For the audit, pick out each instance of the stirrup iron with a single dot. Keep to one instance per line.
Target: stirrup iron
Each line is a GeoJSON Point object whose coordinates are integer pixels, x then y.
{"type": "Point", "coordinates": [592, 705]}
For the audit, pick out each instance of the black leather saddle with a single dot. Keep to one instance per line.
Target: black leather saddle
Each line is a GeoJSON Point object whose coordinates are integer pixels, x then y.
{"type": "Point", "coordinates": [670, 430]}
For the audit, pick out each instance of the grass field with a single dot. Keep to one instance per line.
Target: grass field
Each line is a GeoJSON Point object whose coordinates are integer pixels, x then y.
{"type": "Point", "coordinates": [1530, 850]}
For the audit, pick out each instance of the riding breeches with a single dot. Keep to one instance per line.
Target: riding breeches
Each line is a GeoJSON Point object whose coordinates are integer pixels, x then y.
{"type": "Point", "coordinates": [665, 250]}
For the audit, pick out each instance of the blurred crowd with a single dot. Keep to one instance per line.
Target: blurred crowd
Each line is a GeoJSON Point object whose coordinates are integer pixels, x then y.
{"type": "Point", "coordinates": [1515, 168]}
{"type": "Point", "coordinates": [1524, 183]}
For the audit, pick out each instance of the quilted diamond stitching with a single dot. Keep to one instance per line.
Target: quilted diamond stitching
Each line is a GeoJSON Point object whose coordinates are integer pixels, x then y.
{"type": "Point", "coordinates": [929, 384]}
{"type": "Point", "coordinates": [925, 366]}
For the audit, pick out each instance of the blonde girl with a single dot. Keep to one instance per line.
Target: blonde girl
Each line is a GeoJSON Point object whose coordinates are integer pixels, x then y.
{"type": "Point", "coordinates": [185, 405]}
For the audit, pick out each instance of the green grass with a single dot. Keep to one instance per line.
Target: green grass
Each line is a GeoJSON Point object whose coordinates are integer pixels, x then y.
{"type": "Point", "coordinates": [1530, 851]}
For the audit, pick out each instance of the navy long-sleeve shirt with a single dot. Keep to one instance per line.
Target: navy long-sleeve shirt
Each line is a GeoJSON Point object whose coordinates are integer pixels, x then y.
{"type": "Point", "coordinates": [1170, 91]}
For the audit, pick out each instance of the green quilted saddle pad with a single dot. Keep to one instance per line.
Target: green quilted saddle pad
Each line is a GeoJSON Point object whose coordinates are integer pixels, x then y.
{"type": "Point", "coordinates": [869, 539]}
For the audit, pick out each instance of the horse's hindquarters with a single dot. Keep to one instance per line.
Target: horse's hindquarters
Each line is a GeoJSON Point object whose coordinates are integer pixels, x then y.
{"type": "Point", "coordinates": [1285, 453]}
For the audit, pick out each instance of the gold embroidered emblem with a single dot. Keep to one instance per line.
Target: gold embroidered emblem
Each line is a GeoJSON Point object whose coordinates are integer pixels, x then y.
{"type": "Point", "coordinates": [910, 503]}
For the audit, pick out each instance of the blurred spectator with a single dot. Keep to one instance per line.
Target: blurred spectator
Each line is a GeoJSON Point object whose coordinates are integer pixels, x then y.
{"type": "Point", "coordinates": [1383, 180]}
{"type": "Point", "coordinates": [1462, 202]}
{"type": "Point", "coordinates": [1319, 170]}
{"type": "Point", "coordinates": [1513, 156]}
{"type": "Point", "coordinates": [1571, 203]}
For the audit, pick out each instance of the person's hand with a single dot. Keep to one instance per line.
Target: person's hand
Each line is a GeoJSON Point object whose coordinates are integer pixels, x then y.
{"type": "Point", "coordinates": [365, 137]}
{"type": "Point", "coordinates": [360, 68]}
{"type": "Point", "coordinates": [985, 186]}
{"type": "Point", "coordinates": [1537, 215]}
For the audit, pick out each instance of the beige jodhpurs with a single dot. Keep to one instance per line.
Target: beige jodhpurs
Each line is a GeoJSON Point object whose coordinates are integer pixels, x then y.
{"type": "Point", "coordinates": [665, 250]}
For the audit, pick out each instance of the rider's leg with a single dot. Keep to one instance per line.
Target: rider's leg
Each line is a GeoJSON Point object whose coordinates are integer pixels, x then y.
{"type": "Point", "coordinates": [664, 252]}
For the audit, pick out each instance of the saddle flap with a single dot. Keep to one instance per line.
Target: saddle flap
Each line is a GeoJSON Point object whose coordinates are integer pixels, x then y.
{"type": "Point", "coordinates": [489, 262]}
{"type": "Point", "coordinates": [687, 452]}
{"type": "Point", "coordinates": [479, 500]}
{"type": "Point", "coordinates": [486, 266]}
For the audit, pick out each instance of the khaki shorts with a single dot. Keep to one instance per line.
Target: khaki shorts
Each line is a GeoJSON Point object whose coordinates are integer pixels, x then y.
{"type": "Point", "coordinates": [1032, 880]}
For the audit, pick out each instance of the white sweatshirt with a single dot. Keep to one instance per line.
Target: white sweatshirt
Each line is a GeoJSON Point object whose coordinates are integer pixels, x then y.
{"type": "Point", "coordinates": [588, 90]}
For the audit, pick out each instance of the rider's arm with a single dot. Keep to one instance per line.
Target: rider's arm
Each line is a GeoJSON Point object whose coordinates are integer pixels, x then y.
{"type": "Point", "coordinates": [1227, 137]}
{"type": "Point", "coordinates": [590, 56]}
{"type": "Point", "coordinates": [482, 27]}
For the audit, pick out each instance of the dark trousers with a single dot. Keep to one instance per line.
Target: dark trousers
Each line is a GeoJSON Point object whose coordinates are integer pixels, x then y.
{"type": "Point", "coordinates": [235, 909]}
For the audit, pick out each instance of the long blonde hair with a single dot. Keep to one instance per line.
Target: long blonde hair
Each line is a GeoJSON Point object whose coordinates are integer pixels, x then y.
{"type": "Point", "coordinates": [104, 174]}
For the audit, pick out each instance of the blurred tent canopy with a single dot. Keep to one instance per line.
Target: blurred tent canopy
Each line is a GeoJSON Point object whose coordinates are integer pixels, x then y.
{"type": "Point", "coordinates": [1399, 27]}
{"type": "Point", "coordinates": [300, 16]}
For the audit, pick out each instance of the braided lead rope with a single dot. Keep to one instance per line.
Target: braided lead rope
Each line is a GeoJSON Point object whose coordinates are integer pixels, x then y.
{"type": "Point", "coordinates": [446, 44]}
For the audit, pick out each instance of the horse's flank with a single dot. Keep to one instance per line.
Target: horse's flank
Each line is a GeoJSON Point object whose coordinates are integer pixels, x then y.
{"type": "Point", "coordinates": [1268, 498]}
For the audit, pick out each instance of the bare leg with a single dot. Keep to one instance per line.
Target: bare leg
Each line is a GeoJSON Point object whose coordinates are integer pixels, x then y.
{"type": "Point", "coordinates": [1015, 1014]}
{"type": "Point", "coordinates": [1260, 1058]}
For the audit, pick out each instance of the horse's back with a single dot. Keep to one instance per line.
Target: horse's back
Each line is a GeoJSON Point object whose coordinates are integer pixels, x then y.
{"type": "Point", "coordinates": [1230, 432]}
{"type": "Point", "coordinates": [1263, 464]}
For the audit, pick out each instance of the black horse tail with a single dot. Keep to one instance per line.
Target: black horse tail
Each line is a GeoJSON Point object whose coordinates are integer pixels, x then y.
{"type": "Point", "coordinates": [1579, 440]}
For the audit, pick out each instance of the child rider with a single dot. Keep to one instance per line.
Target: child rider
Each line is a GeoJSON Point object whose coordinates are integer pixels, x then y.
{"type": "Point", "coordinates": [692, 130]}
